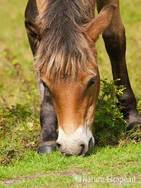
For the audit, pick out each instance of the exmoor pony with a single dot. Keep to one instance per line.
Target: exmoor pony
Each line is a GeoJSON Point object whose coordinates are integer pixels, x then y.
{"type": "Point", "coordinates": [62, 36]}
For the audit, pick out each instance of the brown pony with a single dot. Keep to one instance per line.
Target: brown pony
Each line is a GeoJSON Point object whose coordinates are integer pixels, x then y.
{"type": "Point", "coordinates": [62, 36]}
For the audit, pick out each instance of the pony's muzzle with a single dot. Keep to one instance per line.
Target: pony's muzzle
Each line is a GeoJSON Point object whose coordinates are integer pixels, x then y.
{"type": "Point", "coordinates": [78, 143]}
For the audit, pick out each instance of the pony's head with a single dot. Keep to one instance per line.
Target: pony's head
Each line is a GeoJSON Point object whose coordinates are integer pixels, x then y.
{"type": "Point", "coordinates": [67, 64]}
{"type": "Point", "coordinates": [74, 101]}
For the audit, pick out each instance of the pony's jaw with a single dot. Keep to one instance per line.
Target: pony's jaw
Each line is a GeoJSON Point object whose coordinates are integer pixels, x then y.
{"type": "Point", "coordinates": [77, 142]}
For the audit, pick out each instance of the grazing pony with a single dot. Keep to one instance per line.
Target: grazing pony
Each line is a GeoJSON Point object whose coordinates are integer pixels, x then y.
{"type": "Point", "coordinates": [62, 35]}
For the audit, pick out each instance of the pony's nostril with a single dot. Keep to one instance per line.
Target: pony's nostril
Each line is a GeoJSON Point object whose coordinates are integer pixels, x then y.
{"type": "Point", "coordinates": [90, 145]}
{"type": "Point", "coordinates": [82, 145]}
{"type": "Point", "coordinates": [82, 149]}
{"type": "Point", "coordinates": [58, 145]}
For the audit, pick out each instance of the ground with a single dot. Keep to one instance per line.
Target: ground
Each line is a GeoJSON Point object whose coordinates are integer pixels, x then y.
{"type": "Point", "coordinates": [116, 159]}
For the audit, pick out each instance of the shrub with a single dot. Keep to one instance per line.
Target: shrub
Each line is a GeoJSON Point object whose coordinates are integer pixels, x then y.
{"type": "Point", "coordinates": [109, 124]}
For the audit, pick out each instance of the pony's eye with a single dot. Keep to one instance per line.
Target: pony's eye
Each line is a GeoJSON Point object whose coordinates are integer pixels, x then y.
{"type": "Point", "coordinates": [91, 82]}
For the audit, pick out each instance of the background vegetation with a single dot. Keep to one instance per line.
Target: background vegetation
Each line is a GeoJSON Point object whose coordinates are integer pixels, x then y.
{"type": "Point", "coordinates": [117, 153]}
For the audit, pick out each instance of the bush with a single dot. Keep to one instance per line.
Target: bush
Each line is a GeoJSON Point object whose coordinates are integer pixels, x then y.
{"type": "Point", "coordinates": [109, 124]}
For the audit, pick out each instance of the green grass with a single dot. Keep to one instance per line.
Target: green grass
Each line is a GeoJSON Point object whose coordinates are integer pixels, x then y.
{"type": "Point", "coordinates": [117, 154]}
{"type": "Point", "coordinates": [104, 162]}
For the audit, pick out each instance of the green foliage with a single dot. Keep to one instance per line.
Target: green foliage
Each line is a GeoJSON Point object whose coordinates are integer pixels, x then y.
{"type": "Point", "coordinates": [109, 124]}
{"type": "Point", "coordinates": [18, 132]}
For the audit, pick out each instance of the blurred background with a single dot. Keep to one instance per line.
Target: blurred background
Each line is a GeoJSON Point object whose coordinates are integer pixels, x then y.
{"type": "Point", "coordinates": [17, 77]}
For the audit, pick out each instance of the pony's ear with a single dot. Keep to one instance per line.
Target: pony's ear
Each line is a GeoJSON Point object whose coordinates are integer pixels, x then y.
{"type": "Point", "coordinates": [99, 24]}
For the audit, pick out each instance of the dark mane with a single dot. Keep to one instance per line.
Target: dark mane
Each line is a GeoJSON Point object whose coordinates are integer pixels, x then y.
{"type": "Point", "coordinates": [63, 48]}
